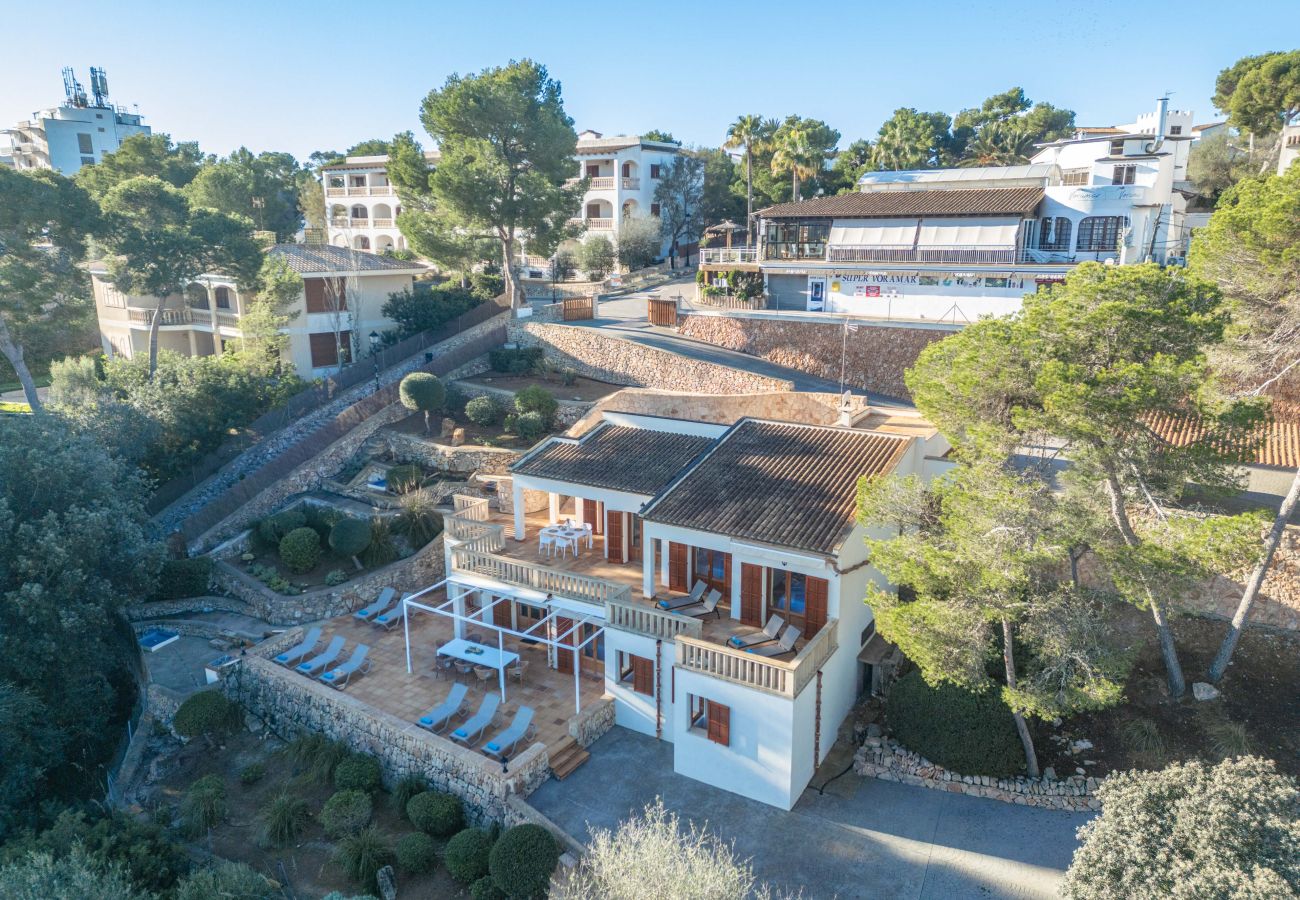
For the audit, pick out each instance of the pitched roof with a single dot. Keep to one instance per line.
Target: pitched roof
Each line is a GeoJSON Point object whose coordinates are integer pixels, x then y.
{"type": "Point", "coordinates": [860, 205]}
{"type": "Point", "coordinates": [616, 457]}
{"type": "Point", "coordinates": [1276, 443]}
{"type": "Point", "coordinates": [778, 483]}
{"type": "Point", "coordinates": [312, 258]}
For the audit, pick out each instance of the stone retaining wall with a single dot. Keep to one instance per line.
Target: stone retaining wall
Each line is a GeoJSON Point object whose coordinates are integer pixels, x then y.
{"type": "Point", "coordinates": [875, 355]}
{"type": "Point", "coordinates": [888, 760]}
{"type": "Point", "coordinates": [592, 722]}
{"type": "Point", "coordinates": [411, 448]}
{"type": "Point", "coordinates": [809, 407]}
{"type": "Point", "coordinates": [157, 609]}
{"type": "Point", "coordinates": [289, 705]}
{"type": "Point", "coordinates": [596, 354]}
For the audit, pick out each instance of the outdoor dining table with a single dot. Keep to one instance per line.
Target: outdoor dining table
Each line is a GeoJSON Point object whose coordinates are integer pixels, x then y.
{"type": "Point", "coordinates": [566, 534]}
{"type": "Point", "coordinates": [481, 655]}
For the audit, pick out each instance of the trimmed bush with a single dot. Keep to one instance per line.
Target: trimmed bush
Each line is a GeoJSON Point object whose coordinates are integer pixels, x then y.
{"type": "Point", "coordinates": [347, 812]}
{"type": "Point", "coordinates": [416, 853]}
{"type": "Point", "coordinates": [522, 861]}
{"type": "Point", "coordinates": [283, 819]}
{"type": "Point", "coordinates": [484, 889]}
{"type": "Point", "coordinates": [206, 713]}
{"type": "Point", "coordinates": [358, 772]}
{"type": "Point", "coordinates": [362, 855]}
{"type": "Point", "coordinates": [300, 549]}
{"type": "Point", "coordinates": [972, 734]}
{"type": "Point", "coordinates": [515, 361]}
{"type": "Point", "coordinates": [335, 577]}
{"type": "Point", "coordinates": [252, 773]}
{"type": "Point", "coordinates": [539, 400]}
{"type": "Point", "coordinates": [404, 478]}
{"type": "Point", "coordinates": [404, 790]}
{"type": "Point", "coordinates": [181, 578]}
{"type": "Point", "coordinates": [467, 854]}
{"type": "Point", "coordinates": [530, 426]}
{"type": "Point", "coordinates": [349, 537]}
{"type": "Point", "coordinates": [273, 528]}
{"type": "Point", "coordinates": [204, 805]}
{"type": "Point", "coordinates": [484, 411]}
{"type": "Point", "coordinates": [436, 813]}
{"type": "Point", "coordinates": [422, 392]}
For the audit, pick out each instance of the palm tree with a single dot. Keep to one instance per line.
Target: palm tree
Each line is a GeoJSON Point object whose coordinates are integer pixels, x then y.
{"type": "Point", "coordinates": [999, 144]}
{"type": "Point", "coordinates": [795, 153]}
{"type": "Point", "coordinates": [747, 132]}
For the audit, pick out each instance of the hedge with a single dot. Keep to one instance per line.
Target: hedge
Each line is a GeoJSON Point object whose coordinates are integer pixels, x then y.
{"type": "Point", "coordinates": [416, 853]}
{"type": "Point", "coordinates": [483, 411]}
{"type": "Point", "coordinates": [349, 536]}
{"type": "Point", "coordinates": [535, 399]}
{"type": "Point", "coordinates": [300, 549]}
{"type": "Point", "coordinates": [515, 361]}
{"type": "Point", "coordinates": [181, 578]}
{"type": "Point", "coordinates": [358, 772]}
{"type": "Point", "coordinates": [467, 855]}
{"type": "Point", "coordinates": [971, 734]}
{"type": "Point", "coordinates": [207, 712]}
{"type": "Point", "coordinates": [436, 813]}
{"type": "Point", "coordinates": [522, 860]}
{"type": "Point", "coordinates": [347, 812]}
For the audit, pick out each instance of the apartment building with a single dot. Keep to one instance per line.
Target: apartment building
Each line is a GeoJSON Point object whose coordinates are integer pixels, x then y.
{"type": "Point", "coordinates": [340, 307]}
{"type": "Point", "coordinates": [76, 133]}
{"type": "Point", "coordinates": [757, 517]}
{"type": "Point", "coordinates": [957, 244]}
{"type": "Point", "coordinates": [1290, 139]}
{"type": "Point", "coordinates": [362, 206]}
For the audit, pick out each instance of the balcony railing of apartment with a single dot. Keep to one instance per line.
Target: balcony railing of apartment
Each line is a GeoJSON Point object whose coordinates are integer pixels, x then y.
{"type": "Point", "coordinates": [377, 190]}
{"type": "Point", "coordinates": [381, 223]}
{"type": "Point", "coordinates": [954, 253]}
{"type": "Point", "coordinates": [631, 184]}
{"type": "Point", "coordinates": [774, 676]}
{"type": "Point", "coordinates": [600, 183]}
{"type": "Point", "coordinates": [793, 251]}
{"type": "Point", "coordinates": [169, 316]}
{"type": "Point", "coordinates": [593, 224]}
{"type": "Point", "coordinates": [722, 256]}
{"type": "Point", "coordinates": [539, 578]}
{"type": "Point", "coordinates": [644, 619]}
{"type": "Point", "coordinates": [228, 319]}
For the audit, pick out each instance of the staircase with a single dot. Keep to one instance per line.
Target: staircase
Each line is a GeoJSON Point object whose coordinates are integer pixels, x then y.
{"type": "Point", "coordinates": [566, 756]}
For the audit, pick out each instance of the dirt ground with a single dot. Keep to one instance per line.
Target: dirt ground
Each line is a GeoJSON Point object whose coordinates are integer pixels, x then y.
{"type": "Point", "coordinates": [1258, 712]}
{"type": "Point", "coordinates": [305, 868]}
{"type": "Point", "coordinates": [581, 389]}
{"type": "Point", "coordinates": [474, 434]}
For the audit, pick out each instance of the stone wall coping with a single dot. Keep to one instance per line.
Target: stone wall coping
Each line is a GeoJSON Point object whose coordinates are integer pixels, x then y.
{"type": "Point", "coordinates": [451, 449]}
{"type": "Point", "coordinates": [821, 318]}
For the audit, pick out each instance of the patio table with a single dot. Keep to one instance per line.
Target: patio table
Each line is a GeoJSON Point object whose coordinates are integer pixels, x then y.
{"type": "Point", "coordinates": [491, 657]}
{"type": "Point", "coordinates": [566, 535]}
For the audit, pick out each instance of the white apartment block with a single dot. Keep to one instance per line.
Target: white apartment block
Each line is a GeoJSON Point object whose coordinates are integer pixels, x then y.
{"type": "Point", "coordinates": [77, 133]}
{"type": "Point", "coordinates": [957, 244]}
{"type": "Point", "coordinates": [1290, 147]}
{"type": "Point", "coordinates": [343, 295]}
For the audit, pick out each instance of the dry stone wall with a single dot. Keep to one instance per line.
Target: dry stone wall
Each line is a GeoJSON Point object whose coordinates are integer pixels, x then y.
{"type": "Point", "coordinates": [465, 459]}
{"type": "Point", "coordinates": [875, 355]}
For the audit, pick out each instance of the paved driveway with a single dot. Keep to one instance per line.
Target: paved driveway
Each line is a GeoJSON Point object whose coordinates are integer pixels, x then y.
{"type": "Point", "coordinates": [863, 838]}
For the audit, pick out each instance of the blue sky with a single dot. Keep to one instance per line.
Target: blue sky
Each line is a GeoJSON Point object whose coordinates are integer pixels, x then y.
{"type": "Point", "coordinates": [324, 75]}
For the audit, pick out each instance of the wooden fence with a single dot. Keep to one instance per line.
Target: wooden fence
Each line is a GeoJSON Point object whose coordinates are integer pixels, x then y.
{"type": "Point", "coordinates": [578, 308]}
{"type": "Point", "coordinates": [663, 312]}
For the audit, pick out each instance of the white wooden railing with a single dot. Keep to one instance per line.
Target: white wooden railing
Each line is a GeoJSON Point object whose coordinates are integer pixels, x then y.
{"type": "Point", "coordinates": [645, 619]}
{"type": "Point", "coordinates": [775, 676]}
{"type": "Point", "coordinates": [543, 579]}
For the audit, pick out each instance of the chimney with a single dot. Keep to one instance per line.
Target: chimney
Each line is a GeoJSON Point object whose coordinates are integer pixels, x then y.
{"type": "Point", "coordinates": [1162, 118]}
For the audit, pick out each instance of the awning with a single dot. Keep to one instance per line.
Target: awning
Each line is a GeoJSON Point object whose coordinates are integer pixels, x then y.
{"type": "Point", "coordinates": [873, 232]}
{"type": "Point", "coordinates": [970, 232]}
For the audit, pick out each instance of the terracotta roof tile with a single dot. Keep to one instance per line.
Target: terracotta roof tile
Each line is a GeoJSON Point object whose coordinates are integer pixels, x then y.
{"type": "Point", "coordinates": [1276, 444]}
{"type": "Point", "coordinates": [1020, 201]}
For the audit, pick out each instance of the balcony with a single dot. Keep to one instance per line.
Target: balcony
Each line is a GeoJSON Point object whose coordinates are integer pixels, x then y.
{"type": "Point", "coordinates": [375, 190]}
{"type": "Point", "coordinates": [631, 184]}
{"type": "Point", "coordinates": [593, 224]}
{"type": "Point", "coordinates": [773, 676]}
{"type": "Point", "coordinates": [381, 223]}
{"type": "Point", "coordinates": [227, 319]}
{"type": "Point", "coordinates": [601, 183]}
{"type": "Point", "coordinates": [345, 222]}
{"type": "Point", "coordinates": [722, 256]}
{"type": "Point", "coordinates": [169, 316]}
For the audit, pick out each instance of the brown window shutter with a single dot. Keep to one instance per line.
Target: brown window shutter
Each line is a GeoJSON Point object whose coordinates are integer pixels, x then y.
{"type": "Point", "coordinates": [719, 717]}
{"type": "Point", "coordinates": [614, 536]}
{"type": "Point", "coordinates": [815, 592]}
{"type": "Point", "coordinates": [591, 515]}
{"type": "Point", "coordinates": [678, 567]}
{"type": "Point", "coordinates": [751, 594]}
{"type": "Point", "coordinates": [726, 577]}
{"type": "Point", "coordinates": [643, 675]}
{"type": "Point", "coordinates": [315, 290]}
{"type": "Point", "coordinates": [323, 350]}
{"type": "Point", "coordinates": [501, 613]}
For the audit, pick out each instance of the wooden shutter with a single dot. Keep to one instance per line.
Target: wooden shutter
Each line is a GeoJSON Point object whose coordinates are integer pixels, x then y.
{"type": "Point", "coordinates": [564, 658]}
{"type": "Point", "coordinates": [501, 613]}
{"type": "Point", "coordinates": [324, 352]}
{"type": "Point", "coordinates": [726, 578]}
{"type": "Point", "coordinates": [614, 536]}
{"type": "Point", "coordinates": [591, 515]}
{"type": "Point", "coordinates": [719, 719]}
{"type": "Point", "coordinates": [643, 675]}
{"type": "Point", "coordinates": [815, 592]}
{"type": "Point", "coordinates": [321, 297]}
{"type": "Point", "coordinates": [751, 594]}
{"type": "Point", "coordinates": [678, 567]}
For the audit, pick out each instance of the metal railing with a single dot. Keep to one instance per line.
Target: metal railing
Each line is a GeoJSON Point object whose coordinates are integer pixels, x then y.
{"type": "Point", "coordinates": [645, 619]}
{"type": "Point", "coordinates": [786, 679]}
{"type": "Point", "coordinates": [719, 256]}
{"type": "Point", "coordinates": [544, 579]}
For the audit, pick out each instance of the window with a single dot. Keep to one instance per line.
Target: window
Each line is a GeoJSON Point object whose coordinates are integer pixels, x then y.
{"type": "Point", "coordinates": [325, 295]}
{"type": "Point", "coordinates": [927, 280]}
{"type": "Point", "coordinates": [654, 170]}
{"type": "Point", "coordinates": [101, 129]}
{"type": "Point", "coordinates": [324, 350]}
{"type": "Point", "coordinates": [800, 599]}
{"type": "Point", "coordinates": [358, 181]}
{"type": "Point", "coordinates": [996, 281]}
{"type": "Point", "coordinates": [336, 181]}
{"type": "Point", "coordinates": [713, 567]}
{"type": "Point", "coordinates": [223, 297]}
{"type": "Point", "coordinates": [88, 160]}
{"type": "Point", "coordinates": [654, 209]}
{"type": "Point", "coordinates": [710, 718]}
{"type": "Point", "coordinates": [1054, 233]}
{"type": "Point", "coordinates": [84, 144]}
{"type": "Point", "coordinates": [638, 672]}
{"type": "Point", "coordinates": [627, 170]}
{"type": "Point", "coordinates": [1175, 129]}
{"type": "Point", "coordinates": [1076, 176]}
{"type": "Point", "coordinates": [797, 239]}
{"type": "Point", "coordinates": [1123, 175]}
{"type": "Point", "coordinates": [593, 170]}
{"type": "Point", "coordinates": [1101, 233]}
{"type": "Point", "coordinates": [593, 210]}
{"type": "Point", "coordinates": [1117, 148]}
{"type": "Point", "coordinates": [113, 297]}
{"type": "Point", "coordinates": [358, 212]}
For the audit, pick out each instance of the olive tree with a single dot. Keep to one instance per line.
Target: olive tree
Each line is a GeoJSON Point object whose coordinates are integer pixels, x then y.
{"type": "Point", "coordinates": [423, 392]}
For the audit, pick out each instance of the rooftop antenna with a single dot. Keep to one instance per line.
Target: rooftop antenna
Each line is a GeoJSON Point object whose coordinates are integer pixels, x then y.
{"type": "Point", "coordinates": [99, 86]}
{"type": "Point", "coordinates": [72, 88]}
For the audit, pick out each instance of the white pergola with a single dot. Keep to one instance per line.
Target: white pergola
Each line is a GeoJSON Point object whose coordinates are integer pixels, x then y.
{"type": "Point", "coordinates": [555, 608]}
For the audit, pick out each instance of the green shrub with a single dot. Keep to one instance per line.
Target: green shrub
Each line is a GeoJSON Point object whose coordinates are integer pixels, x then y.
{"type": "Point", "coordinates": [972, 734]}
{"type": "Point", "coordinates": [358, 772]}
{"type": "Point", "coordinates": [522, 861]}
{"type": "Point", "coordinates": [486, 285]}
{"type": "Point", "coordinates": [206, 713]}
{"type": "Point", "coordinates": [321, 519]}
{"type": "Point", "coordinates": [252, 773]}
{"type": "Point", "coordinates": [436, 813]}
{"type": "Point", "coordinates": [316, 754]}
{"type": "Point", "coordinates": [420, 519]}
{"type": "Point", "coordinates": [181, 578]}
{"type": "Point", "coordinates": [283, 819]}
{"type": "Point", "coordinates": [484, 889]}
{"type": "Point", "coordinates": [467, 854]}
{"type": "Point", "coordinates": [203, 805]}
{"type": "Point", "coordinates": [300, 549]}
{"type": "Point", "coordinates": [515, 360]}
{"type": "Point", "coordinates": [381, 550]}
{"type": "Point", "coordinates": [349, 537]}
{"type": "Point", "coordinates": [569, 376]}
{"type": "Point", "coordinates": [362, 855]}
{"type": "Point", "coordinates": [404, 790]}
{"type": "Point", "coordinates": [273, 528]}
{"type": "Point", "coordinates": [416, 853]}
{"type": "Point", "coordinates": [335, 577]}
{"type": "Point", "coordinates": [226, 880]}
{"type": "Point", "coordinates": [347, 812]}
{"type": "Point", "coordinates": [422, 392]}
{"type": "Point", "coordinates": [484, 411]}
{"type": "Point", "coordinates": [539, 400]}
{"type": "Point", "coordinates": [530, 426]}
{"type": "Point", "coordinates": [404, 478]}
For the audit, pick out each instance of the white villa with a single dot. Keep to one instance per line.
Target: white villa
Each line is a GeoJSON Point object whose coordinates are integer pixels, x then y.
{"type": "Point", "coordinates": [760, 511]}
{"type": "Point", "coordinates": [343, 293]}
{"type": "Point", "coordinates": [957, 244]}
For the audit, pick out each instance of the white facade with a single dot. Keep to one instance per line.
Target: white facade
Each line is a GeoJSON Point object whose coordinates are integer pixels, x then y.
{"type": "Point", "coordinates": [75, 134]}
{"type": "Point", "coordinates": [1290, 147]}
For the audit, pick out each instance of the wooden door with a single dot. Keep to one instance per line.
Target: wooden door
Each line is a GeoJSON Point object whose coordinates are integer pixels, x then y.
{"type": "Point", "coordinates": [635, 537]}
{"type": "Point", "coordinates": [614, 536]}
{"type": "Point", "coordinates": [679, 568]}
{"type": "Point", "coordinates": [751, 594]}
{"type": "Point", "coordinates": [591, 515]}
{"type": "Point", "coordinates": [564, 658]}
{"type": "Point", "coordinates": [501, 613]}
{"type": "Point", "coordinates": [815, 592]}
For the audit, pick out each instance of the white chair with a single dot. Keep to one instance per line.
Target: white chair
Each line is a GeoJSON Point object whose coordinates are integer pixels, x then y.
{"type": "Point", "coordinates": [562, 545]}
{"type": "Point", "coordinates": [546, 544]}
{"type": "Point", "coordinates": [586, 527]}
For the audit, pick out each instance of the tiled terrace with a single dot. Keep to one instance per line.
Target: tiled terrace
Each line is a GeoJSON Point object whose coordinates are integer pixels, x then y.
{"type": "Point", "coordinates": [388, 687]}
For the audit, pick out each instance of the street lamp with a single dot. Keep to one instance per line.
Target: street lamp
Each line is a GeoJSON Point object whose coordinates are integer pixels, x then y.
{"type": "Point", "coordinates": [374, 356]}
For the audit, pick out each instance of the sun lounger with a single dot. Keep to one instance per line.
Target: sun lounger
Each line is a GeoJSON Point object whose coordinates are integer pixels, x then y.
{"type": "Point", "coordinates": [387, 620]}
{"type": "Point", "coordinates": [475, 726]}
{"type": "Point", "coordinates": [678, 602]}
{"type": "Point", "coordinates": [439, 716]}
{"type": "Point", "coordinates": [766, 636]}
{"type": "Point", "coordinates": [322, 662]}
{"type": "Point", "coordinates": [339, 676]}
{"type": "Point", "coordinates": [381, 604]}
{"type": "Point", "coordinates": [708, 607]}
{"type": "Point", "coordinates": [308, 644]}
{"type": "Point", "coordinates": [781, 647]}
{"type": "Point", "coordinates": [518, 730]}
